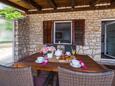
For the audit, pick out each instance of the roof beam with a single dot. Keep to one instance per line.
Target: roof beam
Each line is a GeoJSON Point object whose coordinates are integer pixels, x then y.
{"type": "Point", "coordinates": [33, 3]}
{"type": "Point", "coordinates": [72, 3]}
{"type": "Point", "coordinates": [52, 3]}
{"type": "Point", "coordinates": [112, 2]}
{"type": "Point", "coordinates": [14, 5]}
{"type": "Point", "coordinates": [92, 3]}
{"type": "Point", "coordinates": [75, 9]}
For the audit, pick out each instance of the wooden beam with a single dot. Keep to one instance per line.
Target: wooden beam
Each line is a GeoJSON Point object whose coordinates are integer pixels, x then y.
{"type": "Point", "coordinates": [52, 3]}
{"type": "Point", "coordinates": [112, 2]}
{"type": "Point", "coordinates": [92, 3]}
{"type": "Point", "coordinates": [72, 3]}
{"type": "Point", "coordinates": [33, 3]}
{"type": "Point", "coordinates": [14, 5]}
{"type": "Point", "coordinates": [75, 9]}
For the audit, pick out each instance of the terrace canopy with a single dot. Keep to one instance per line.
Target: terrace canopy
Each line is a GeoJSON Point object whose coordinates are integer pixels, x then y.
{"type": "Point", "coordinates": [45, 6]}
{"type": "Point", "coordinates": [83, 22]}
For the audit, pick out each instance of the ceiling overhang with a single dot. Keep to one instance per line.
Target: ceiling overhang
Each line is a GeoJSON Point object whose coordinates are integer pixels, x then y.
{"type": "Point", "coordinates": [52, 6]}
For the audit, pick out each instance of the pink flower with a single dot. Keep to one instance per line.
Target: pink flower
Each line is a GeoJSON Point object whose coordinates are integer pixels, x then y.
{"type": "Point", "coordinates": [47, 49]}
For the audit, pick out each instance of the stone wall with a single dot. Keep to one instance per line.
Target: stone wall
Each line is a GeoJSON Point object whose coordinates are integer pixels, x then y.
{"type": "Point", "coordinates": [21, 40]}
{"type": "Point", "coordinates": [93, 20]}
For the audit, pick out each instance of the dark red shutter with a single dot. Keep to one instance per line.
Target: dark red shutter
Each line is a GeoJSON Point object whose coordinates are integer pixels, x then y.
{"type": "Point", "coordinates": [78, 32]}
{"type": "Point", "coordinates": [47, 32]}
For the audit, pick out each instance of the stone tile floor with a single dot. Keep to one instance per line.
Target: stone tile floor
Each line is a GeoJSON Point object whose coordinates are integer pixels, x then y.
{"type": "Point", "coordinates": [6, 55]}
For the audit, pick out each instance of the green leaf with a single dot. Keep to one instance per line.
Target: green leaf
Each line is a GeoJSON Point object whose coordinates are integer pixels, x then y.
{"type": "Point", "coordinates": [10, 13]}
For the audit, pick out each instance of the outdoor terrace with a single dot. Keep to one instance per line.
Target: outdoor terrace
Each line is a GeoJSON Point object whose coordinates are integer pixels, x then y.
{"type": "Point", "coordinates": [85, 26]}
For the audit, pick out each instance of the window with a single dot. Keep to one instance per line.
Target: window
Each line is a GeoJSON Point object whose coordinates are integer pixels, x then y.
{"type": "Point", "coordinates": [108, 39]}
{"type": "Point", "coordinates": [63, 32]}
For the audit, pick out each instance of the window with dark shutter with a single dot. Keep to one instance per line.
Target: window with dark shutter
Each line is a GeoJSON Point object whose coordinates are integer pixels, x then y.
{"type": "Point", "coordinates": [47, 32]}
{"type": "Point", "coordinates": [78, 32]}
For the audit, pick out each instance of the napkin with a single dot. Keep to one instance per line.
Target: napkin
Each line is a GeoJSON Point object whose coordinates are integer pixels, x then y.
{"type": "Point", "coordinates": [83, 65]}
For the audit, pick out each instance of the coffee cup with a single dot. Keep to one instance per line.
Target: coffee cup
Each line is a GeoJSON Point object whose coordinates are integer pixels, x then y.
{"type": "Point", "coordinates": [40, 59]}
{"type": "Point", "coordinates": [75, 62]}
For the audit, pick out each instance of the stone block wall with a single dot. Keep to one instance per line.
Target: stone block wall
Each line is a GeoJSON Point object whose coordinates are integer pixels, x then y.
{"type": "Point", "coordinates": [21, 38]}
{"type": "Point", "coordinates": [92, 18]}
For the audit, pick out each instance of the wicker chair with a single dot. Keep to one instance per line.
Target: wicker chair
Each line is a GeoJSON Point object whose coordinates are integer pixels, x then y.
{"type": "Point", "coordinates": [71, 78]}
{"type": "Point", "coordinates": [113, 83]}
{"type": "Point", "coordinates": [15, 76]}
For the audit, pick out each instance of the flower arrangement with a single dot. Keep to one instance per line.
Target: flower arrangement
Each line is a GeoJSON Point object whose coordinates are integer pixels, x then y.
{"type": "Point", "coordinates": [48, 49]}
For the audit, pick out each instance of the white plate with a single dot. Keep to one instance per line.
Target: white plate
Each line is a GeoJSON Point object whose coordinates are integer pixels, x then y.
{"type": "Point", "coordinates": [76, 66]}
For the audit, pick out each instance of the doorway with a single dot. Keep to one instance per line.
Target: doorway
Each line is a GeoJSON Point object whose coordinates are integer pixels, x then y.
{"type": "Point", "coordinates": [108, 39]}
{"type": "Point", "coordinates": [6, 42]}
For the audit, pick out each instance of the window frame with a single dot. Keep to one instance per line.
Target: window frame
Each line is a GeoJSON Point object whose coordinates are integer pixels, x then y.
{"type": "Point", "coordinates": [105, 40]}
{"type": "Point", "coordinates": [55, 31]}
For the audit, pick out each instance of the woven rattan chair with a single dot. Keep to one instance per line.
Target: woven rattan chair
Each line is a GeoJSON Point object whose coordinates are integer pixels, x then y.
{"type": "Point", "coordinates": [71, 78]}
{"type": "Point", "coordinates": [15, 76]}
{"type": "Point", "coordinates": [113, 83]}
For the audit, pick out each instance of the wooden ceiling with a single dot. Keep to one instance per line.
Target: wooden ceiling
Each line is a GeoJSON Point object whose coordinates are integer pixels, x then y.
{"type": "Point", "coordinates": [47, 6]}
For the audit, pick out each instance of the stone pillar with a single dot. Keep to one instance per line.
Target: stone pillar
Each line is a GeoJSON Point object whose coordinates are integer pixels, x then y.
{"type": "Point", "coordinates": [21, 38]}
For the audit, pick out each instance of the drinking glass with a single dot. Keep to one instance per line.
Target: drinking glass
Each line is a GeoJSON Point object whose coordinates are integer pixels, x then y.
{"type": "Point", "coordinates": [73, 52]}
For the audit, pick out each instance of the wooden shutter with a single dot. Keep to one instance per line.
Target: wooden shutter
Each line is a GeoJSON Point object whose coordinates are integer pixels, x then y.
{"type": "Point", "coordinates": [47, 32]}
{"type": "Point", "coordinates": [78, 31]}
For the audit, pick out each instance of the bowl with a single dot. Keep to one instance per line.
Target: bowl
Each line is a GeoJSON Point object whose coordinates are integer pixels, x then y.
{"type": "Point", "coordinates": [68, 53]}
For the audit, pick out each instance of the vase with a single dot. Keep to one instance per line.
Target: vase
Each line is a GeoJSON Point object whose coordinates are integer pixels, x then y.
{"type": "Point", "coordinates": [50, 55]}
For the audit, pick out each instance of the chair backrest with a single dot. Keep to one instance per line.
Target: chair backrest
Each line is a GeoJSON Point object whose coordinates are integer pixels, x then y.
{"type": "Point", "coordinates": [15, 76]}
{"type": "Point", "coordinates": [72, 78]}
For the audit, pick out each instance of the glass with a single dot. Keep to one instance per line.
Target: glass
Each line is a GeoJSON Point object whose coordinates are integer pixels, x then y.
{"type": "Point", "coordinates": [76, 52]}
{"type": "Point", "coordinates": [73, 52]}
{"type": "Point", "coordinates": [110, 40]}
{"type": "Point", "coordinates": [62, 32]}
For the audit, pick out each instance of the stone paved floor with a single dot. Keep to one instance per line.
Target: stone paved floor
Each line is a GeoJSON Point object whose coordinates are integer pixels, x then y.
{"type": "Point", "coordinates": [6, 55]}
